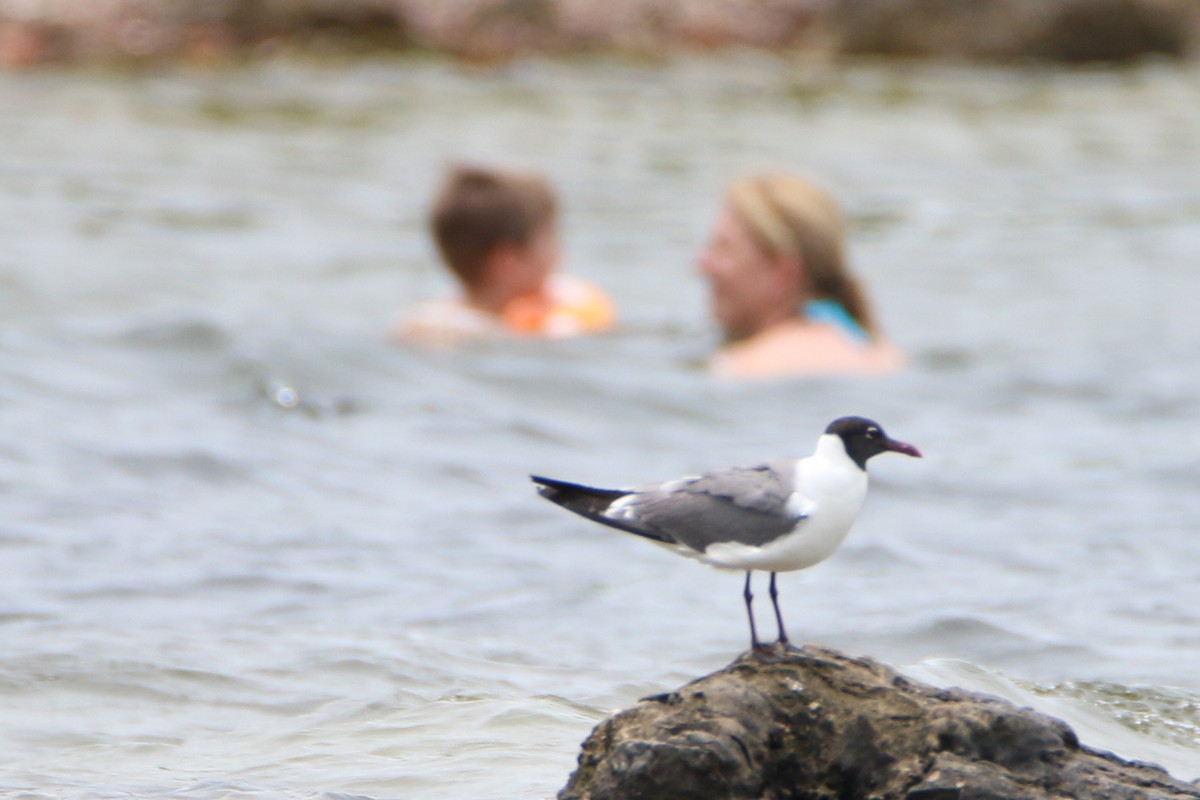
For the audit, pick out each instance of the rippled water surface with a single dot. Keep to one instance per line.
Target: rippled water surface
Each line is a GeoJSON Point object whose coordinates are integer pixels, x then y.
{"type": "Point", "coordinates": [248, 548]}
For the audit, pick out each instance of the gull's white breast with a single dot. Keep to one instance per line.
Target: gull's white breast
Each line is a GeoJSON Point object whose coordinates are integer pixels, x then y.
{"type": "Point", "coordinates": [829, 490]}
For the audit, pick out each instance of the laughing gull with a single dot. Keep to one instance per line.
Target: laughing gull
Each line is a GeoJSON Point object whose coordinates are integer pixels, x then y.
{"type": "Point", "coordinates": [784, 515]}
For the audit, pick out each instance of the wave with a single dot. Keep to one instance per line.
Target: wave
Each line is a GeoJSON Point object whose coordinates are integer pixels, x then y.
{"type": "Point", "coordinates": [1156, 724]}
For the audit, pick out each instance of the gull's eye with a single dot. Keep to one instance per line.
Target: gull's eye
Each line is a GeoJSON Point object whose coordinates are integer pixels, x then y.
{"type": "Point", "coordinates": [874, 433]}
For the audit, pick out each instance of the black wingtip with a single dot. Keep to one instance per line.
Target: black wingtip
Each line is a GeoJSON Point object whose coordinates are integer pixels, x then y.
{"type": "Point", "coordinates": [592, 503]}
{"type": "Point", "coordinates": [552, 487]}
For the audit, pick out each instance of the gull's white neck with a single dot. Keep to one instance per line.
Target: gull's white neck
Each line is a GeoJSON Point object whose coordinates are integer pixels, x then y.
{"type": "Point", "coordinates": [831, 448]}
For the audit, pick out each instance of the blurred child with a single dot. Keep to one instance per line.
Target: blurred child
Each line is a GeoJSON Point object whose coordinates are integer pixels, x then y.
{"type": "Point", "coordinates": [497, 232]}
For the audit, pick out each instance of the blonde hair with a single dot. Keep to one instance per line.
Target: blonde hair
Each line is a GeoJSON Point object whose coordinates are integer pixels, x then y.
{"type": "Point", "coordinates": [792, 218]}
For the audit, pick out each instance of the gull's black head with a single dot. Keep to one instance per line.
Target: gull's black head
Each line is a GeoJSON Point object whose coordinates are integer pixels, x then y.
{"type": "Point", "coordinates": [863, 438]}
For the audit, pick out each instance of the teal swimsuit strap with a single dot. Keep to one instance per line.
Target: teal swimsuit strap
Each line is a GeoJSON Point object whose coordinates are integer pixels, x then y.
{"type": "Point", "coordinates": [831, 312]}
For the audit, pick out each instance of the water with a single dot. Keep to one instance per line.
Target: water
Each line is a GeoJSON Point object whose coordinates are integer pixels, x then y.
{"type": "Point", "coordinates": [249, 548]}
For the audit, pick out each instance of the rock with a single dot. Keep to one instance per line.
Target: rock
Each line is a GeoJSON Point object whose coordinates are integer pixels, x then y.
{"type": "Point", "coordinates": [1003, 30]}
{"type": "Point", "coordinates": [645, 26]}
{"type": "Point", "coordinates": [816, 723]}
{"type": "Point", "coordinates": [39, 31]}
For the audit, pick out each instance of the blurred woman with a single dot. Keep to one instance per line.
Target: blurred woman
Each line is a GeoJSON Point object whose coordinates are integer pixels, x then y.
{"type": "Point", "coordinates": [780, 289]}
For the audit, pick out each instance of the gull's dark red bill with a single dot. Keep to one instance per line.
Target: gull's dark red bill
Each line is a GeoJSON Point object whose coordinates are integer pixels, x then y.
{"type": "Point", "coordinates": [897, 446]}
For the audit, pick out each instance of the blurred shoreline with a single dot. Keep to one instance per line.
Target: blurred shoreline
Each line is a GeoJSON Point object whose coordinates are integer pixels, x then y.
{"type": "Point", "coordinates": [214, 32]}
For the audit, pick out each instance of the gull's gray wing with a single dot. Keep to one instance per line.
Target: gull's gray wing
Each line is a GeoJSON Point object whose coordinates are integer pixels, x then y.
{"type": "Point", "coordinates": [743, 504]}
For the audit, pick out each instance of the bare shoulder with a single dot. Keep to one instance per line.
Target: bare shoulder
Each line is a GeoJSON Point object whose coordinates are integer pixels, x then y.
{"type": "Point", "coordinates": [442, 323]}
{"type": "Point", "coordinates": [800, 348]}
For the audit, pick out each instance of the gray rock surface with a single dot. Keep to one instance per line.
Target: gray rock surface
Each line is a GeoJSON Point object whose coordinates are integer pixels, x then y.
{"type": "Point", "coordinates": [819, 724]}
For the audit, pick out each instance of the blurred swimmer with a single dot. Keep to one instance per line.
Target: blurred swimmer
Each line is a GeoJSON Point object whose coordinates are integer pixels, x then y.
{"type": "Point", "coordinates": [497, 232]}
{"type": "Point", "coordinates": [780, 289]}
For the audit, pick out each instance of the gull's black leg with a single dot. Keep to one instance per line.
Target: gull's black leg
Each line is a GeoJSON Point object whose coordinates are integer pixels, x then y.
{"type": "Point", "coordinates": [783, 637]}
{"type": "Point", "coordinates": [754, 643]}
